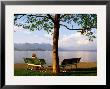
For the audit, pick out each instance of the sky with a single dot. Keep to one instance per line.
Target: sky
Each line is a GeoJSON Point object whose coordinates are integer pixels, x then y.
{"type": "Point", "coordinates": [68, 39]}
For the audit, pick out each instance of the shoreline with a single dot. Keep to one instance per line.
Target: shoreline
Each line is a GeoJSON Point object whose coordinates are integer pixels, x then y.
{"type": "Point", "coordinates": [79, 65]}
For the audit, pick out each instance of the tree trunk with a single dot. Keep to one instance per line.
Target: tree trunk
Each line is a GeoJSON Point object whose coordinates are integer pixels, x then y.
{"type": "Point", "coordinates": [55, 57]}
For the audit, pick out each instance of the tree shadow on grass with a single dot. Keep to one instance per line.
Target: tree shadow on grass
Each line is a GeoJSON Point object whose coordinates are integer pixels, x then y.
{"type": "Point", "coordinates": [79, 72]}
{"type": "Point", "coordinates": [72, 72]}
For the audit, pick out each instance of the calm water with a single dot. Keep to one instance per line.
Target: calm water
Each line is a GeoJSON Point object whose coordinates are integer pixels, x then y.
{"type": "Point", "coordinates": [86, 56]}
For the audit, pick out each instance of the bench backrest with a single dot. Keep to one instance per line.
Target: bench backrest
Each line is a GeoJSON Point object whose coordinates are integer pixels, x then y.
{"type": "Point", "coordinates": [70, 61]}
{"type": "Point", "coordinates": [36, 61]}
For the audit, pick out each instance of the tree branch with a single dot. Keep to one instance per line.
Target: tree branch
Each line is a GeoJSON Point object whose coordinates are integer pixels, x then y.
{"type": "Point", "coordinates": [21, 15]}
{"type": "Point", "coordinates": [63, 16]}
{"type": "Point", "coordinates": [30, 15]}
{"type": "Point", "coordinates": [50, 17]}
{"type": "Point", "coordinates": [40, 16]}
{"type": "Point", "coordinates": [70, 28]}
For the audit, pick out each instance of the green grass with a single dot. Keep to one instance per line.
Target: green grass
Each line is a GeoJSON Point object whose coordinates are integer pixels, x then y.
{"type": "Point", "coordinates": [78, 72]}
{"type": "Point", "coordinates": [23, 72]}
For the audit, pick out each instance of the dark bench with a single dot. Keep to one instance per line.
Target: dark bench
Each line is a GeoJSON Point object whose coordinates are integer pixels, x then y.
{"type": "Point", "coordinates": [70, 61]}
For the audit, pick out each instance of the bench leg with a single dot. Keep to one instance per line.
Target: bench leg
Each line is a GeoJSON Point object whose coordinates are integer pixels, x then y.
{"type": "Point", "coordinates": [28, 67]}
{"type": "Point", "coordinates": [76, 66]}
{"type": "Point", "coordinates": [64, 69]}
{"type": "Point", "coordinates": [71, 67]}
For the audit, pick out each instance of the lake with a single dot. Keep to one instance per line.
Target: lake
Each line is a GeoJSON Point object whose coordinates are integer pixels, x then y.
{"type": "Point", "coordinates": [86, 56]}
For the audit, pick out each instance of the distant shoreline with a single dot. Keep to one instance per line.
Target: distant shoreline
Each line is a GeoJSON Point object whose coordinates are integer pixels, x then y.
{"type": "Point", "coordinates": [46, 47]}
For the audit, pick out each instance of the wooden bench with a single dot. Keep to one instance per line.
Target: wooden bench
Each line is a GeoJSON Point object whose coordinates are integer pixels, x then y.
{"type": "Point", "coordinates": [34, 64]}
{"type": "Point", "coordinates": [70, 61]}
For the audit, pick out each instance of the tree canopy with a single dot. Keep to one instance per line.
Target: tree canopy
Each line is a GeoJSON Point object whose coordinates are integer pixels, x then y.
{"type": "Point", "coordinates": [46, 22]}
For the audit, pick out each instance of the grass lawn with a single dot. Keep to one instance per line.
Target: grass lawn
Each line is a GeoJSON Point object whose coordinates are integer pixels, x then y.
{"type": "Point", "coordinates": [74, 72]}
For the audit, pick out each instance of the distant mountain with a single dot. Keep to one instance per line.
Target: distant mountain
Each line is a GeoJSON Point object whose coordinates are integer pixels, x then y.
{"type": "Point", "coordinates": [33, 47]}
{"type": "Point", "coordinates": [40, 47]}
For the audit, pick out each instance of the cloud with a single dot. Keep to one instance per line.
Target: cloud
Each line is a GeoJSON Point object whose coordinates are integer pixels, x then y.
{"type": "Point", "coordinates": [36, 38]}
{"type": "Point", "coordinates": [26, 36]}
{"type": "Point", "coordinates": [76, 41]}
{"type": "Point", "coordinates": [27, 32]}
{"type": "Point", "coordinates": [83, 43]}
{"type": "Point", "coordinates": [20, 29]}
{"type": "Point", "coordinates": [49, 36]}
